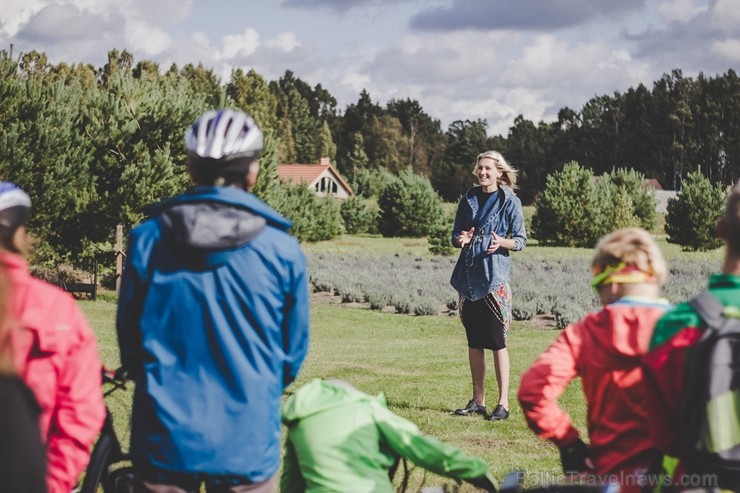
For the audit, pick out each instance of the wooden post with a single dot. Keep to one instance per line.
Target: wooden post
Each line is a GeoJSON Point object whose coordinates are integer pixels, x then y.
{"type": "Point", "coordinates": [119, 257]}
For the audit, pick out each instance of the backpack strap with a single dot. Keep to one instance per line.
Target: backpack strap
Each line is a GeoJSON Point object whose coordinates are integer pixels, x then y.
{"type": "Point", "coordinates": [711, 311]}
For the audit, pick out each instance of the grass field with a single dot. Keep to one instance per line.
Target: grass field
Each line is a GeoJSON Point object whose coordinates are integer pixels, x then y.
{"type": "Point", "coordinates": [421, 365]}
{"type": "Point", "coordinates": [420, 362]}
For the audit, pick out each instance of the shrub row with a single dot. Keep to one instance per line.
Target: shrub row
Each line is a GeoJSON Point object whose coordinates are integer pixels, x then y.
{"type": "Point", "coordinates": [420, 285]}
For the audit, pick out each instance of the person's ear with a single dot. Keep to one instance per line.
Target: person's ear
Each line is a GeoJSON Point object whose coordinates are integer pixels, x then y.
{"type": "Point", "coordinates": [721, 228]}
{"type": "Point", "coordinates": [20, 241]}
{"type": "Point", "coordinates": [192, 173]}
{"type": "Point", "coordinates": [252, 174]}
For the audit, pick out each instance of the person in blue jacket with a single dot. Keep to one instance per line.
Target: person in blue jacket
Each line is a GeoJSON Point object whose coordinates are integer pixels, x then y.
{"type": "Point", "coordinates": [213, 321]}
{"type": "Point", "coordinates": [488, 225]}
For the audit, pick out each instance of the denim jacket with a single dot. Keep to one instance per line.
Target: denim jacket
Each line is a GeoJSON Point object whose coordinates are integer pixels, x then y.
{"type": "Point", "coordinates": [477, 273]}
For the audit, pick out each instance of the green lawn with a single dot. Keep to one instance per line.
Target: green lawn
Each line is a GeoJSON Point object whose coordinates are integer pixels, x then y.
{"type": "Point", "coordinates": [421, 365]}
{"type": "Point", "coordinates": [419, 362]}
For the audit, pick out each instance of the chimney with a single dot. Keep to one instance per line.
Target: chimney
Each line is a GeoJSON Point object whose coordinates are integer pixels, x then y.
{"type": "Point", "coordinates": [324, 161]}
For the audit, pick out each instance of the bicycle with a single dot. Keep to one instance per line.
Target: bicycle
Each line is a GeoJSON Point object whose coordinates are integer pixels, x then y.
{"type": "Point", "coordinates": [109, 465]}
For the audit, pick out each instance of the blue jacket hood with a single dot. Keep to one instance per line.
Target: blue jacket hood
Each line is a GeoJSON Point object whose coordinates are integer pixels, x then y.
{"type": "Point", "coordinates": [216, 218]}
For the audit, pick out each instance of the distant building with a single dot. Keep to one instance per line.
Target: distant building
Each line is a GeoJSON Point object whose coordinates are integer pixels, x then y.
{"type": "Point", "coordinates": [322, 178]}
{"type": "Point", "coordinates": [661, 195]}
{"type": "Point", "coordinates": [652, 182]}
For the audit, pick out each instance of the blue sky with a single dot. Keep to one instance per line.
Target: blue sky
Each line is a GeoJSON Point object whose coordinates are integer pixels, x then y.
{"type": "Point", "coordinates": [461, 59]}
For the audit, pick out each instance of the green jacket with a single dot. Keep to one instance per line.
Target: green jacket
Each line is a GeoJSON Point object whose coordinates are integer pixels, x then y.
{"type": "Point", "coordinates": [342, 440]}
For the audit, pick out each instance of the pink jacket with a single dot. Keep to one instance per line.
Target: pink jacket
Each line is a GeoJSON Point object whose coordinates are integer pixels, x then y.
{"type": "Point", "coordinates": [57, 356]}
{"type": "Point", "coordinates": [605, 349]}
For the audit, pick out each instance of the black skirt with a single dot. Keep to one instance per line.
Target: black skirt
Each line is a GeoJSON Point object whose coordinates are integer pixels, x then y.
{"type": "Point", "coordinates": [487, 320]}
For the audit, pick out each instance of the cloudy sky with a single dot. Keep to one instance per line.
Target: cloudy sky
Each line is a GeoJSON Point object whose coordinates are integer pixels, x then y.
{"type": "Point", "coordinates": [461, 59]}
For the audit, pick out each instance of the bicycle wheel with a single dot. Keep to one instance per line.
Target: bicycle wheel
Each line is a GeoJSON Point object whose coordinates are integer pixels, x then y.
{"type": "Point", "coordinates": [97, 469]}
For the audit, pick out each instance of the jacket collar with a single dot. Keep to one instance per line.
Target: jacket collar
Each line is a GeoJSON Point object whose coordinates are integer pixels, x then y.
{"type": "Point", "coordinates": [226, 195]}
{"type": "Point", "coordinates": [13, 261]}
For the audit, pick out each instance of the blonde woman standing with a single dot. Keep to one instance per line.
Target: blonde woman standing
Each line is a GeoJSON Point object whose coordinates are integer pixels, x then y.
{"type": "Point", "coordinates": [488, 225]}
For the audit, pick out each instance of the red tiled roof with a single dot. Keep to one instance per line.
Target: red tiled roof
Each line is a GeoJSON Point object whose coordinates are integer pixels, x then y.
{"type": "Point", "coordinates": [298, 173]}
{"type": "Point", "coordinates": [307, 173]}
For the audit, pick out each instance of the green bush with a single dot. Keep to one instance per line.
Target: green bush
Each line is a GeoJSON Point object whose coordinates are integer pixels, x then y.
{"type": "Point", "coordinates": [314, 218]}
{"type": "Point", "coordinates": [409, 206]}
{"type": "Point", "coordinates": [569, 210]}
{"type": "Point", "coordinates": [439, 236]}
{"type": "Point", "coordinates": [633, 203]}
{"type": "Point", "coordinates": [358, 215]}
{"type": "Point", "coordinates": [371, 182]}
{"type": "Point", "coordinates": [576, 210]}
{"type": "Point", "coordinates": [691, 216]}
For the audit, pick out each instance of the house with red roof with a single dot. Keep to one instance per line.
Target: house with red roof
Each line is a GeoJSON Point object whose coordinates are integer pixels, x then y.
{"type": "Point", "coordinates": [322, 178]}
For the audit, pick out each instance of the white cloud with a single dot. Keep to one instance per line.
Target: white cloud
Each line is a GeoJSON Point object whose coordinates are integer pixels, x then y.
{"type": "Point", "coordinates": [455, 75]}
{"type": "Point", "coordinates": [728, 49]}
{"type": "Point", "coordinates": [439, 59]}
{"type": "Point", "coordinates": [142, 37]}
{"type": "Point", "coordinates": [15, 13]}
{"type": "Point", "coordinates": [679, 11]}
{"type": "Point", "coordinates": [284, 41]}
{"type": "Point", "coordinates": [164, 13]}
{"type": "Point", "coordinates": [356, 81]}
{"type": "Point", "coordinates": [239, 44]}
{"type": "Point", "coordinates": [200, 38]}
{"type": "Point", "coordinates": [726, 15]}
{"type": "Point", "coordinates": [55, 23]}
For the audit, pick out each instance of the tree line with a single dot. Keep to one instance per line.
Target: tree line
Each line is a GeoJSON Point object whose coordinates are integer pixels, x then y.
{"type": "Point", "coordinates": [94, 146]}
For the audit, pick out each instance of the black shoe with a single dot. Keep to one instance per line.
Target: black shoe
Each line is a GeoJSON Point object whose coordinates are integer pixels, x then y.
{"type": "Point", "coordinates": [499, 414]}
{"type": "Point", "coordinates": [472, 408]}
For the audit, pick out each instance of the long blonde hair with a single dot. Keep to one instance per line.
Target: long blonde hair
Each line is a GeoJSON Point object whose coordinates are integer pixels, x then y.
{"type": "Point", "coordinates": [7, 366]}
{"type": "Point", "coordinates": [18, 244]}
{"type": "Point", "coordinates": [508, 172]}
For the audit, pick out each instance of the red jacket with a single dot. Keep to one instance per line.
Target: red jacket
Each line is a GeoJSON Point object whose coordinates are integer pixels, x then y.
{"type": "Point", "coordinates": [57, 356]}
{"type": "Point", "coordinates": [605, 349]}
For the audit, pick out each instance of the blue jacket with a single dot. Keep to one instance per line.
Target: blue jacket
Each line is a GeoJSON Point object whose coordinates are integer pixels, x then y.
{"type": "Point", "coordinates": [213, 323]}
{"type": "Point", "coordinates": [477, 273]}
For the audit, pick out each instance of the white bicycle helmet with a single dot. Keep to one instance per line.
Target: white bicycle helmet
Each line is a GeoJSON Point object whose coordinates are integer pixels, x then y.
{"type": "Point", "coordinates": [15, 207]}
{"type": "Point", "coordinates": [223, 143]}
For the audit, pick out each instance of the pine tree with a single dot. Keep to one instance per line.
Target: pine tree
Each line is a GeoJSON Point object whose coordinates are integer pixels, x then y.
{"type": "Point", "coordinates": [693, 214]}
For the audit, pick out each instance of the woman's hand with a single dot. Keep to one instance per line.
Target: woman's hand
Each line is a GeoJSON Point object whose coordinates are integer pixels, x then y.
{"type": "Point", "coordinates": [496, 243]}
{"type": "Point", "coordinates": [465, 237]}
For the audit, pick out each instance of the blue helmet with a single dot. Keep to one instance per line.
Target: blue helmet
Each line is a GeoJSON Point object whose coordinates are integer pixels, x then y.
{"type": "Point", "coordinates": [15, 207]}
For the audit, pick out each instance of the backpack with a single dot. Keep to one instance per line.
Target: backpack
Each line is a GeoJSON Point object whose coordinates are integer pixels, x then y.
{"type": "Point", "coordinates": [710, 415]}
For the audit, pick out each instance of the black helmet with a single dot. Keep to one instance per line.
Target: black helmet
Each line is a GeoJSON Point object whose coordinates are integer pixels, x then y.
{"type": "Point", "coordinates": [15, 207]}
{"type": "Point", "coordinates": [222, 143]}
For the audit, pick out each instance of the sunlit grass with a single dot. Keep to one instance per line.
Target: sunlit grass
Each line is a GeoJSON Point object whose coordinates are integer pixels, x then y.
{"type": "Point", "coordinates": [420, 362]}
{"type": "Point", "coordinates": [421, 365]}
